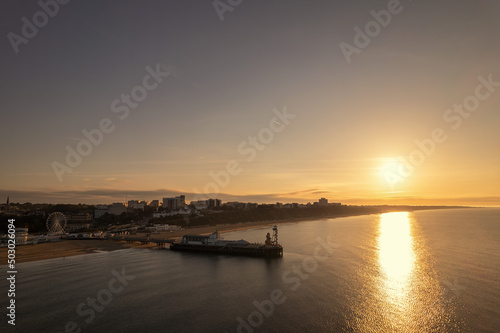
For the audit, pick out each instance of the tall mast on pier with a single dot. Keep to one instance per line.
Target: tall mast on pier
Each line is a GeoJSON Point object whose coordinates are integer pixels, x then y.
{"type": "Point", "coordinates": [275, 235]}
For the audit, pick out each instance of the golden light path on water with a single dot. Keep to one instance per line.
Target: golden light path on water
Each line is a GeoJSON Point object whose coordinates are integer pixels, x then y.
{"type": "Point", "coordinates": [401, 290]}
{"type": "Point", "coordinates": [397, 262]}
{"type": "Point", "coordinates": [396, 254]}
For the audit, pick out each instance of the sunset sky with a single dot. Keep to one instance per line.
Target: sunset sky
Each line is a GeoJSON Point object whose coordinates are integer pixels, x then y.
{"type": "Point", "coordinates": [268, 89]}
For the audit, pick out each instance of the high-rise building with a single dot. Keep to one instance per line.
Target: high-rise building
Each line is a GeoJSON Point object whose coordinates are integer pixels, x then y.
{"type": "Point", "coordinates": [175, 203]}
{"type": "Point", "coordinates": [211, 203]}
{"type": "Point", "coordinates": [323, 202]}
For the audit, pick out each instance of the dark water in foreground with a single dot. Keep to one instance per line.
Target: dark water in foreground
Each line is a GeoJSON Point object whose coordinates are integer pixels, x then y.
{"type": "Point", "coordinates": [428, 271]}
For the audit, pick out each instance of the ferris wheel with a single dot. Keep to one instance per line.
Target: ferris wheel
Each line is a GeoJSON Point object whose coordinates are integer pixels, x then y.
{"type": "Point", "coordinates": [56, 222]}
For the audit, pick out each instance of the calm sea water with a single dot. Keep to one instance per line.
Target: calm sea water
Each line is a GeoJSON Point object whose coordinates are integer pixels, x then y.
{"type": "Point", "coordinates": [428, 271]}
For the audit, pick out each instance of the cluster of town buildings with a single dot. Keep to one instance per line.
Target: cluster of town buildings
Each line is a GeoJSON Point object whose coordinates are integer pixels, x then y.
{"type": "Point", "coordinates": [169, 206]}
{"type": "Point", "coordinates": [177, 205]}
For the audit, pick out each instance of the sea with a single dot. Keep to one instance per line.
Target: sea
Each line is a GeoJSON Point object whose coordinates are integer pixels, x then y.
{"type": "Point", "coordinates": [423, 271]}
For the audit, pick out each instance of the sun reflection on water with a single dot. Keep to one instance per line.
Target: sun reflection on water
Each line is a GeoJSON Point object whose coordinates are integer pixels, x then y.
{"type": "Point", "coordinates": [401, 290]}
{"type": "Point", "coordinates": [396, 255]}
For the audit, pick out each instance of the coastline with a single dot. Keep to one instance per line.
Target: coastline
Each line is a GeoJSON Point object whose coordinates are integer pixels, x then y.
{"type": "Point", "coordinates": [67, 248]}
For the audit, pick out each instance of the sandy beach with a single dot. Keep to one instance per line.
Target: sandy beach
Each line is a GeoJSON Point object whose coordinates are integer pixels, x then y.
{"type": "Point", "coordinates": [67, 248]}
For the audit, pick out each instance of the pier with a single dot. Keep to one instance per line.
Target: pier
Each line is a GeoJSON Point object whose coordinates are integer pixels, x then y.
{"type": "Point", "coordinates": [252, 250]}
{"type": "Point", "coordinates": [144, 240]}
{"type": "Point", "coordinates": [214, 244]}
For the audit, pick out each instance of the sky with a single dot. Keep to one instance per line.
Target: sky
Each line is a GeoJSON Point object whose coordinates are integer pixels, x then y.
{"type": "Point", "coordinates": [360, 102]}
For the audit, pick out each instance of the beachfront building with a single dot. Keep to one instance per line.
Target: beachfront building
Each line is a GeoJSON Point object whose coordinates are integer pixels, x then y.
{"type": "Point", "coordinates": [183, 211]}
{"type": "Point", "coordinates": [199, 204]}
{"type": "Point", "coordinates": [163, 227]}
{"type": "Point", "coordinates": [78, 221]}
{"type": "Point", "coordinates": [100, 210]}
{"type": "Point", "coordinates": [117, 208]}
{"type": "Point", "coordinates": [21, 236]}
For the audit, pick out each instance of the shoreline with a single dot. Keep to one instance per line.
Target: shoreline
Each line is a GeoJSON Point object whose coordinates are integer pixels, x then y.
{"type": "Point", "coordinates": [68, 248]}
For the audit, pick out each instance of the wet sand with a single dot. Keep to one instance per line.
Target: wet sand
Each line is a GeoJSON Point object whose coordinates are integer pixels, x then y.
{"type": "Point", "coordinates": [63, 248]}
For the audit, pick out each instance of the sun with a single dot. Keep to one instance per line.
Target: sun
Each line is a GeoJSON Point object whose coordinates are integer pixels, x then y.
{"type": "Point", "coordinates": [390, 171]}
{"type": "Point", "coordinates": [389, 164]}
